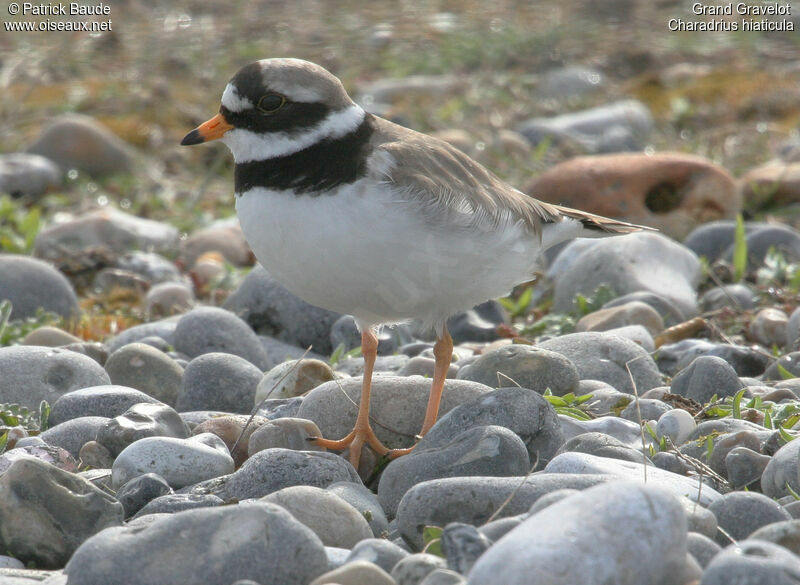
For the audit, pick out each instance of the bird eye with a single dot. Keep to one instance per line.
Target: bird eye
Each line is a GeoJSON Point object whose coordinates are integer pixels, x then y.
{"type": "Point", "coordinates": [271, 103]}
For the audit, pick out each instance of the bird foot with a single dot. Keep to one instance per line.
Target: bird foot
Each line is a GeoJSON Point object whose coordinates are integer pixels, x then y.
{"type": "Point", "coordinates": [355, 440]}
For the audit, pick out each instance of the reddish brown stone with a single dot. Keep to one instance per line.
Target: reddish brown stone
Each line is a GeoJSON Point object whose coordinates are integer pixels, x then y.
{"type": "Point", "coordinates": [228, 428]}
{"type": "Point", "coordinates": [772, 184]}
{"type": "Point", "coordinates": [669, 191]}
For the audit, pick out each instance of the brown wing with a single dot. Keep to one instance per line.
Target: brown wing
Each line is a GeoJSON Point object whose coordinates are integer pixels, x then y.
{"type": "Point", "coordinates": [448, 180]}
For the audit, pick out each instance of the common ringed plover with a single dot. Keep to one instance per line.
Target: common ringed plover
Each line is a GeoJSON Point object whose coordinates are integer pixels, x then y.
{"type": "Point", "coordinates": [359, 215]}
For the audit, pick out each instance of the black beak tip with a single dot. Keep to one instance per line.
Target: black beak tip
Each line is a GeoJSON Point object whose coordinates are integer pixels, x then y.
{"type": "Point", "coordinates": [191, 138]}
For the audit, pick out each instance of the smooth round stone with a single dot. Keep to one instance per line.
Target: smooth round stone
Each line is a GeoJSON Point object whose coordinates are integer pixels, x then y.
{"type": "Point", "coordinates": [666, 309]}
{"type": "Point", "coordinates": [632, 313]}
{"type": "Point", "coordinates": [279, 351]}
{"type": "Point", "coordinates": [46, 513]}
{"type": "Point", "coordinates": [180, 462]}
{"type": "Point", "coordinates": [272, 310]}
{"type": "Point", "coordinates": [523, 411]}
{"type": "Point", "coordinates": [336, 556]}
{"type": "Point", "coordinates": [572, 463]}
{"type": "Point", "coordinates": [382, 552]}
{"type": "Point", "coordinates": [738, 296]}
{"type": "Point", "coordinates": [293, 378]}
{"type": "Point", "coordinates": [168, 298]}
{"type": "Point", "coordinates": [627, 432]}
{"type": "Point", "coordinates": [425, 366]}
{"type": "Point", "coordinates": [10, 563]}
{"type": "Point", "coordinates": [165, 329]}
{"type": "Point", "coordinates": [601, 356]}
{"type": "Point", "coordinates": [601, 445]}
{"type": "Point", "coordinates": [218, 546]}
{"type": "Point", "coordinates": [31, 284]}
{"type": "Point", "coordinates": [273, 469]}
{"type": "Point", "coordinates": [677, 424]}
{"type": "Point", "coordinates": [793, 329]}
{"type": "Point", "coordinates": [412, 569]}
{"type": "Point", "coordinates": [462, 545]}
{"type": "Point", "coordinates": [752, 562]}
{"type": "Point", "coordinates": [702, 548]}
{"type": "Point", "coordinates": [724, 444]}
{"type": "Point", "coordinates": [631, 529]}
{"type": "Point", "coordinates": [790, 362]}
{"type": "Point", "coordinates": [673, 357]}
{"type": "Point", "coordinates": [704, 377]}
{"type": "Point", "coordinates": [172, 503]}
{"type": "Point", "coordinates": [479, 451]}
{"type": "Point", "coordinates": [769, 327]}
{"type": "Point", "coordinates": [645, 409]}
{"type": "Point", "coordinates": [746, 361]}
{"type": "Point", "coordinates": [356, 573]}
{"type": "Point", "coordinates": [72, 434]}
{"type": "Point", "coordinates": [234, 430]}
{"type": "Point", "coordinates": [94, 455]}
{"type": "Point", "coordinates": [152, 267]}
{"type": "Point", "coordinates": [397, 405]}
{"type": "Point", "coordinates": [712, 239]}
{"type": "Point", "coordinates": [50, 337]}
{"type": "Point", "coordinates": [140, 421]}
{"type": "Point", "coordinates": [782, 470]}
{"type": "Point", "coordinates": [284, 433]}
{"type": "Point", "coordinates": [145, 368]}
{"type": "Point", "coordinates": [336, 522]}
{"type": "Point", "coordinates": [366, 502]}
{"type": "Point", "coordinates": [134, 494]}
{"type": "Point", "coordinates": [635, 262]}
{"type": "Point", "coordinates": [106, 400]}
{"type": "Point", "coordinates": [32, 374]}
{"type": "Point", "coordinates": [213, 330]}
{"type": "Point", "coordinates": [526, 366]}
{"type": "Point", "coordinates": [219, 381]}
{"type": "Point", "coordinates": [224, 237]}
{"type": "Point", "coordinates": [764, 237]}
{"type": "Point", "coordinates": [109, 228]}
{"type": "Point", "coordinates": [75, 141]}
{"type": "Point", "coordinates": [742, 513]}
{"type": "Point", "coordinates": [785, 533]}
{"type": "Point", "coordinates": [23, 174]}
{"type": "Point", "coordinates": [473, 500]}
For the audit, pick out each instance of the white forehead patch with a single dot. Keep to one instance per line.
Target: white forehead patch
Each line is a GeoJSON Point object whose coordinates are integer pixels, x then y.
{"type": "Point", "coordinates": [233, 101]}
{"type": "Point", "coordinates": [296, 92]}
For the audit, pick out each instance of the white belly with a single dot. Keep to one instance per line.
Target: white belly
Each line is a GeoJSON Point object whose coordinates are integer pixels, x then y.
{"type": "Point", "coordinates": [371, 255]}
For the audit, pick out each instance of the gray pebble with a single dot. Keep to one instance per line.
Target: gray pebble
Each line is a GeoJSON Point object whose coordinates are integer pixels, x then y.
{"type": "Point", "coordinates": [382, 552]}
{"type": "Point", "coordinates": [210, 330]}
{"type": "Point", "coordinates": [415, 567]}
{"type": "Point", "coordinates": [526, 366]}
{"type": "Point", "coordinates": [32, 374]}
{"type": "Point", "coordinates": [32, 284]}
{"type": "Point", "coordinates": [479, 451]}
{"type": "Point", "coordinates": [72, 434]}
{"type": "Point", "coordinates": [219, 381]}
{"type": "Point", "coordinates": [366, 502]}
{"type": "Point", "coordinates": [134, 494]}
{"type": "Point", "coordinates": [752, 562]}
{"type": "Point", "coordinates": [106, 400]}
{"type": "Point", "coordinates": [140, 421]}
{"type": "Point", "coordinates": [145, 368]}
{"type": "Point", "coordinates": [705, 377]}
{"type": "Point", "coordinates": [742, 513]}
{"type": "Point", "coordinates": [523, 411]}
{"type": "Point", "coordinates": [172, 503]}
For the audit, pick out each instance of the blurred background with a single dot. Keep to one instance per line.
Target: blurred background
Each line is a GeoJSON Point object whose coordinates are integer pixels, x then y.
{"type": "Point", "coordinates": [521, 86]}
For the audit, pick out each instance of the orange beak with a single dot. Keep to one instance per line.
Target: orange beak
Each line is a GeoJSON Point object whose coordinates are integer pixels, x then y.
{"type": "Point", "coordinates": [215, 128]}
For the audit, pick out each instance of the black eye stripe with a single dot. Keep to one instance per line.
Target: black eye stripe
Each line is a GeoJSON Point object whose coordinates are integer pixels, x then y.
{"type": "Point", "coordinates": [293, 117]}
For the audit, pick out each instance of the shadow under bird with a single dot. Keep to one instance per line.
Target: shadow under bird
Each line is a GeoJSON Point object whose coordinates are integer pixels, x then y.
{"type": "Point", "coordinates": [361, 216]}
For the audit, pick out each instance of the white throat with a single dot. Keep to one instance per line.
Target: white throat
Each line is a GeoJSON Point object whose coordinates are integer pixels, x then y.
{"type": "Point", "coordinates": [248, 146]}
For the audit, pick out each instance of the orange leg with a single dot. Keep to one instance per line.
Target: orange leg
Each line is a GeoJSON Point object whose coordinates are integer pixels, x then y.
{"type": "Point", "coordinates": [443, 352]}
{"type": "Point", "coordinates": [362, 432]}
